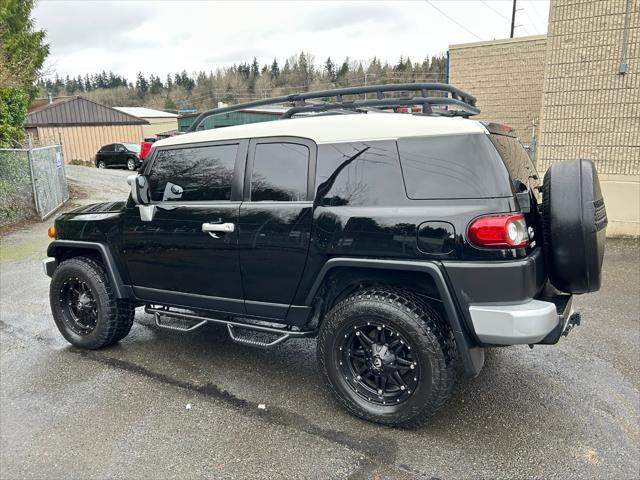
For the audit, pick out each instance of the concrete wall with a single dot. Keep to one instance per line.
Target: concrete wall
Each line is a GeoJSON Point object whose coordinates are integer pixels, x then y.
{"type": "Point", "coordinates": [159, 125]}
{"type": "Point", "coordinates": [82, 143]}
{"type": "Point", "coordinates": [589, 109]}
{"type": "Point", "coordinates": [506, 76]}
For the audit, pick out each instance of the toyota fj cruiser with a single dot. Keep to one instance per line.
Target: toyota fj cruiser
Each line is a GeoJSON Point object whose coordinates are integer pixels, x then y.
{"type": "Point", "coordinates": [406, 243]}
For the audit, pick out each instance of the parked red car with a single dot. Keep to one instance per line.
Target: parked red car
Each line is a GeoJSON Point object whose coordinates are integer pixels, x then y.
{"type": "Point", "coordinates": [145, 146]}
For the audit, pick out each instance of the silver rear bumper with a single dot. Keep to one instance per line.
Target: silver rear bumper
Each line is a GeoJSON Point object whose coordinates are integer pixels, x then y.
{"type": "Point", "coordinates": [519, 324]}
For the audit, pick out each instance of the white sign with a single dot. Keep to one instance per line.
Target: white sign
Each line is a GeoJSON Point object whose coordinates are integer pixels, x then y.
{"type": "Point", "coordinates": [58, 160]}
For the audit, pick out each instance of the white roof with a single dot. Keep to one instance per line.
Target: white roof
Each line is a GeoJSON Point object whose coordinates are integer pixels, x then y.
{"type": "Point", "coordinates": [143, 112]}
{"type": "Point", "coordinates": [338, 128]}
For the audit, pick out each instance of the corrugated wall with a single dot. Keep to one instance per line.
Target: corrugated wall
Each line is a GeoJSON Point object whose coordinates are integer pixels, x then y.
{"type": "Point", "coordinates": [82, 143]}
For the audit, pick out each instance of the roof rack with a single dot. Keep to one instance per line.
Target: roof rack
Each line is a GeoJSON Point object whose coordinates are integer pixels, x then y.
{"type": "Point", "coordinates": [466, 102]}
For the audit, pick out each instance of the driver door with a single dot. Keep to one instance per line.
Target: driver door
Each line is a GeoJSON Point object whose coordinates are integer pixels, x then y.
{"type": "Point", "coordinates": [172, 259]}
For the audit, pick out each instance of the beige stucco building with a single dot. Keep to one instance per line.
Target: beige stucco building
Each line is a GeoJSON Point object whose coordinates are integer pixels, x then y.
{"type": "Point", "coordinates": [506, 76]}
{"type": "Point", "coordinates": [157, 120]}
{"type": "Point", "coordinates": [580, 85]}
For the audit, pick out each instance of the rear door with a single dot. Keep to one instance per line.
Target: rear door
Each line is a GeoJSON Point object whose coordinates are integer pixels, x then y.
{"type": "Point", "coordinates": [275, 222]}
{"type": "Point", "coordinates": [105, 154]}
{"type": "Point", "coordinates": [175, 259]}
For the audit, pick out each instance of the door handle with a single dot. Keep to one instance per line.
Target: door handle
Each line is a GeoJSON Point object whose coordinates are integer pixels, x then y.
{"type": "Point", "coordinates": [214, 228]}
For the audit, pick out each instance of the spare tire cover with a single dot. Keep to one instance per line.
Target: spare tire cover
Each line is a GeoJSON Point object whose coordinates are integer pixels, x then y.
{"type": "Point", "coordinates": [575, 222]}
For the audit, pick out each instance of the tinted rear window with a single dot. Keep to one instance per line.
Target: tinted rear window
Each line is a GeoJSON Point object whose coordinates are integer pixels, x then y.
{"type": "Point", "coordinates": [452, 166]}
{"type": "Point", "coordinates": [280, 172]}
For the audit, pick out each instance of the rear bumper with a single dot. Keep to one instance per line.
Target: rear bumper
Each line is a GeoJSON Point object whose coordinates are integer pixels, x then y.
{"type": "Point", "coordinates": [533, 321]}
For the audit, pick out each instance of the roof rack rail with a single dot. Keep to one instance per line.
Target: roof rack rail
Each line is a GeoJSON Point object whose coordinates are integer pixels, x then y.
{"type": "Point", "coordinates": [466, 102]}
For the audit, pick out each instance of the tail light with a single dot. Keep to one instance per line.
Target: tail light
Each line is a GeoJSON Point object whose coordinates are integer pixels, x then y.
{"type": "Point", "coordinates": [499, 231]}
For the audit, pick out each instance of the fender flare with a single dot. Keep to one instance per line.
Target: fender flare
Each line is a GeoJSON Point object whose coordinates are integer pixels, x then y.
{"type": "Point", "coordinates": [57, 246]}
{"type": "Point", "coordinates": [472, 355]}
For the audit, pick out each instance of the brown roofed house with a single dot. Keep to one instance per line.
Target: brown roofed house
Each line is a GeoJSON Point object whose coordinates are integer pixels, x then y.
{"type": "Point", "coordinates": [83, 126]}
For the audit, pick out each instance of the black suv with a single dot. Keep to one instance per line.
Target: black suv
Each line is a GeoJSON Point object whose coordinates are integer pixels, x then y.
{"type": "Point", "coordinates": [406, 243]}
{"type": "Point", "coordinates": [119, 155]}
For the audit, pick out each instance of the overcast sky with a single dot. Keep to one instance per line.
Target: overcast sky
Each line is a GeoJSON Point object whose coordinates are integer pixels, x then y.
{"type": "Point", "coordinates": [167, 36]}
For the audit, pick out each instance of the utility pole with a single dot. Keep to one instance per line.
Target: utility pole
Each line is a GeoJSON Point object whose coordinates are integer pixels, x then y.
{"type": "Point", "coordinates": [513, 18]}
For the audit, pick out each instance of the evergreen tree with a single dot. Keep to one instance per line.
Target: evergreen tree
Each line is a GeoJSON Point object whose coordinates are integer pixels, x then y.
{"type": "Point", "coordinates": [142, 86]}
{"type": "Point", "coordinates": [330, 69]}
{"type": "Point", "coordinates": [275, 69]}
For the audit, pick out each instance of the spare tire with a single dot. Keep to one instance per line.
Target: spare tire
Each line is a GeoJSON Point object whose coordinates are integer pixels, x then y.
{"type": "Point", "coordinates": [575, 223]}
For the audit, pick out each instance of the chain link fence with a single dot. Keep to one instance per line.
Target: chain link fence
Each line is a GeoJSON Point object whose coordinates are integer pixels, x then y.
{"type": "Point", "coordinates": [32, 183]}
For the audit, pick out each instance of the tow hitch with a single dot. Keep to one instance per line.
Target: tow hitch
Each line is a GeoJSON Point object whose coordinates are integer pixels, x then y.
{"type": "Point", "coordinates": [574, 321]}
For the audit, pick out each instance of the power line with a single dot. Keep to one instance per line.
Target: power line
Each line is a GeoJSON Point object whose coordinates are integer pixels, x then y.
{"type": "Point", "coordinates": [494, 10]}
{"type": "Point", "coordinates": [453, 20]}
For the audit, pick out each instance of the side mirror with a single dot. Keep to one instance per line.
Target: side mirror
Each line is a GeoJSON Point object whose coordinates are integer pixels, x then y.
{"type": "Point", "coordinates": [140, 194]}
{"type": "Point", "coordinates": [139, 189]}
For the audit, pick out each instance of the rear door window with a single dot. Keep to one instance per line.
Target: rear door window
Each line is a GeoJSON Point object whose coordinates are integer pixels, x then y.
{"type": "Point", "coordinates": [280, 172]}
{"type": "Point", "coordinates": [193, 174]}
{"type": "Point", "coordinates": [452, 166]}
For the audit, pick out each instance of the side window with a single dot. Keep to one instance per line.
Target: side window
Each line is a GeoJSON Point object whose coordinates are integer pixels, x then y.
{"type": "Point", "coordinates": [452, 166]}
{"type": "Point", "coordinates": [120, 148]}
{"type": "Point", "coordinates": [107, 148]}
{"type": "Point", "coordinates": [193, 174]}
{"type": "Point", "coordinates": [280, 172]}
{"type": "Point", "coordinates": [358, 174]}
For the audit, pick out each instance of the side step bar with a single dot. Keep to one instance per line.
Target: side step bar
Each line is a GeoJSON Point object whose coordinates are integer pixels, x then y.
{"type": "Point", "coordinates": [284, 333]}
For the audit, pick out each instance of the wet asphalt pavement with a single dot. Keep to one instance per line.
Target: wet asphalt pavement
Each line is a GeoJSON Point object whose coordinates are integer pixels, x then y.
{"type": "Point", "coordinates": [180, 405]}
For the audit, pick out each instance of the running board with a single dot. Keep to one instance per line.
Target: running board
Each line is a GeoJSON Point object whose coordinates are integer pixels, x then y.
{"type": "Point", "coordinates": [284, 333]}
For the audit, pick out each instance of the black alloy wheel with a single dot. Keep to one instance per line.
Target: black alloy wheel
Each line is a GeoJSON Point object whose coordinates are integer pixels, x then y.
{"type": "Point", "coordinates": [387, 355]}
{"type": "Point", "coordinates": [84, 305]}
{"type": "Point", "coordinates": [377, 363]}
{"type": "Point", "coordinates": [79, 306]}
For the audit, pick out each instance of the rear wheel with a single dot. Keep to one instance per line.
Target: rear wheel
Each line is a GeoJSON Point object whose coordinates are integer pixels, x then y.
{"type": "Point", "coordinates": [102, 164]}
{"type": "Point", "coordinates": [84, 306]}
{"type": "Point", "coordinates": [387, 356]}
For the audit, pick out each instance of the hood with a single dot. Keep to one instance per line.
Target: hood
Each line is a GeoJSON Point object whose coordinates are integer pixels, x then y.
{"type": "Point", "coordinates": [104, 207]}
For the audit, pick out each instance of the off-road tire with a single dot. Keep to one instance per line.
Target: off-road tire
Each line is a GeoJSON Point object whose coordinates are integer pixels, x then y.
{"type": "Point", "coordinates": [417, 321]}
{"type": "Point", "coordinates": [115, 316]}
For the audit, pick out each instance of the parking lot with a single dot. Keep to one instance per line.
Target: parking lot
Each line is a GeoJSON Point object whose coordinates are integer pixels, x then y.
{"type": "Point", "coordinates": [169, 405]}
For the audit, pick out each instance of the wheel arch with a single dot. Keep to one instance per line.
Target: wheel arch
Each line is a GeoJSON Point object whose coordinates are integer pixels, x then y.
{"type": "Point", "coordinates": [341, 276]}
{"type": "Point", "coordinates": [64, 249]}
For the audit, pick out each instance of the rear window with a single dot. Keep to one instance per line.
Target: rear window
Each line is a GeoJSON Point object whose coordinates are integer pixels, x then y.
{"type": "Point", "coordinates": [452, 166]}
{"type": "Point", "coordinates": [516, 159]}
{"type": "Point", "coordinates": [132, 147]}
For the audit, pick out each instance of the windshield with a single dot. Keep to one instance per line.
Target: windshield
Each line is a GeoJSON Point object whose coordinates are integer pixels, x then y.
{"type": "Point", "coordinates": [133, 147]}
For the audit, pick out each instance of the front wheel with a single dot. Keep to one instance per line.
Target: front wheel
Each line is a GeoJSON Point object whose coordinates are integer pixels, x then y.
{"type": "Point", "coordinates": [84, 306]}
{"type": "Point", "coordinates": [387, 356]}
{"type": "Point", "coordinates": [131, 164]}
